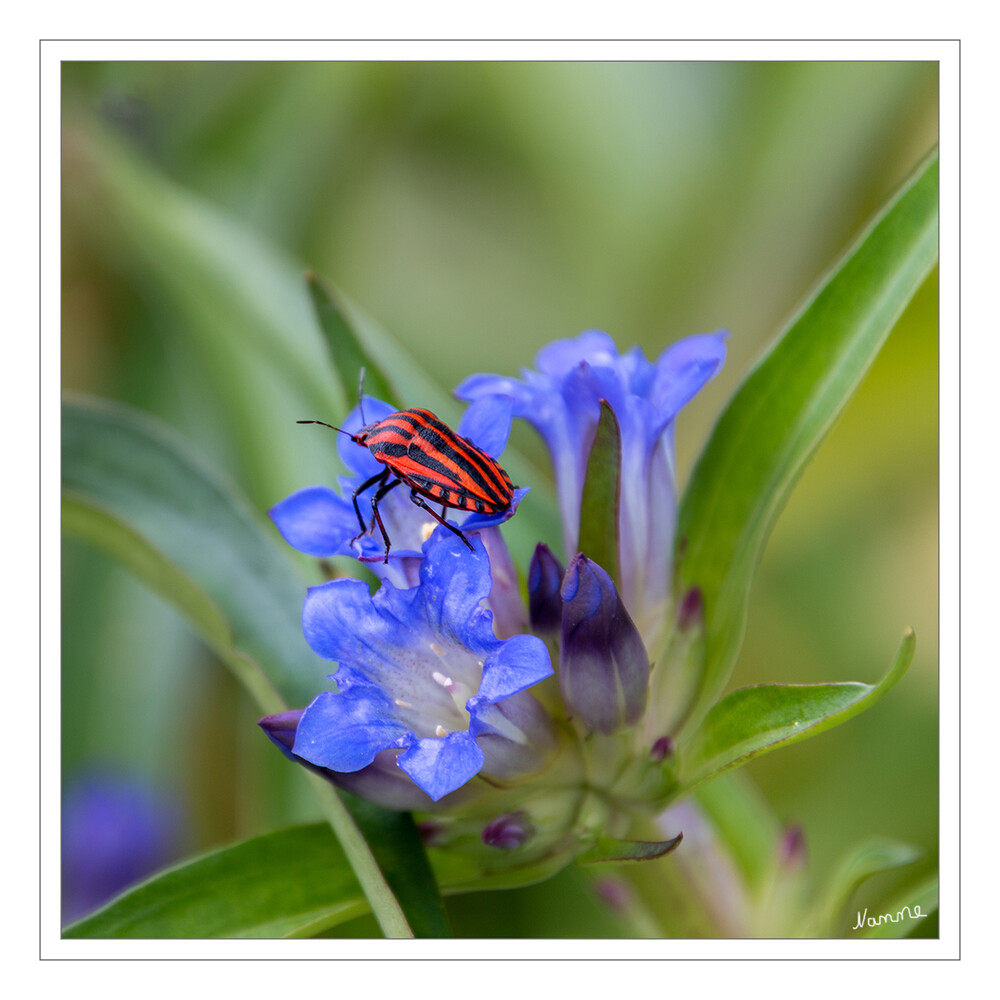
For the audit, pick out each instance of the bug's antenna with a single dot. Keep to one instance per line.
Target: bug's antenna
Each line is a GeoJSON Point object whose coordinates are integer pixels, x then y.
{"type": "Point", "coordinates": [361, 395]}
{"type": "Point", "coordinates": [323, 423]}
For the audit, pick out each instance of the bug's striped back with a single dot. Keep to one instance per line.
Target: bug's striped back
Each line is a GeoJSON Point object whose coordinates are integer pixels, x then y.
{"type": "Point", "coordinates": [429, 456]}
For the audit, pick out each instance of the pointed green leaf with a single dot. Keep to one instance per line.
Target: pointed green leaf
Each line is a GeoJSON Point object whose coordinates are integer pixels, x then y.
{"type": "Point", "coordinates": [609, 850]}
{"type": "Point", "coordinates": [782, 411]}
{"type": "Point", "coordinates": [601, 492]}
{"type": "Point", "coordinates": [756, 720]}
{"type": "Point", "coordinates": [292, 883]}
{"type": "Point", "coordinates": [138, 491]}
{"type": "Point", "coordinates": [346, 351]}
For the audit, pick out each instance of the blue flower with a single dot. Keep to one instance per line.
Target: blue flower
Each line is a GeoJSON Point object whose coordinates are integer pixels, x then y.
{"type": "Point", "coordinates": [322, 522]}
{"type": "Point", "coordinates": [116, 830]}
{"type": "Point", "coordinates": [562, 400]}
{"type": "Point", "coordinates": [423, 676]}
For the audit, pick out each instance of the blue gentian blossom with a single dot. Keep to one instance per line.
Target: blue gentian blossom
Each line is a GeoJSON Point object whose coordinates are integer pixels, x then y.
{"type": "Point", "coordinates": [442, 673]}
{"type": "Point", "coordinates": [321, 522]}
{"type": "Point", "coordinates": [561, 399]}
{"type": "Point", "coordinates": [423, 676]}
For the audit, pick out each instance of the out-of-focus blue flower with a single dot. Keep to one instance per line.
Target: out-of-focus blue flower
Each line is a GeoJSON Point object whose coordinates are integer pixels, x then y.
{"type": "Point", "coordinates": [115, 832]}
{"type": "Point", "coordinates": [603, 664]}
{"type": "Point", "coordinates": [322, 522]}
{"type": "Point", "coordinates": [562, 400]}
{"type": "Point", "coordinates": [423, 678]}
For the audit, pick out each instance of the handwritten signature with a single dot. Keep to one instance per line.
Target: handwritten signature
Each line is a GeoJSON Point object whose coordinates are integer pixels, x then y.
{"type": "Point", "coordinates": [887, 918]}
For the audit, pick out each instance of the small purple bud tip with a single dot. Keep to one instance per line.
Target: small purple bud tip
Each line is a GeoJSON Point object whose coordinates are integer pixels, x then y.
{"type": "Point", "coordinates": [544, 601]}
{"type": "Point", "coordinates": [792, 847]}
{"type": "Point", "coordinates": [691, 610]}
{"type": "Point", "coordinates": [662, 748]}
{"type": "Point", "coordinates": [507, 833]}
{"type": "Point", "coordinates": [281, 728]}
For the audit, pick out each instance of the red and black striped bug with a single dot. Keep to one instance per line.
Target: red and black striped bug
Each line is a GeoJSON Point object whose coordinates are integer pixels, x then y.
{"type": "Point", "coordinates": [423, 452]}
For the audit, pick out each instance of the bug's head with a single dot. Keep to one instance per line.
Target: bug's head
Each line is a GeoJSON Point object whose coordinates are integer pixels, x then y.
{"type": "Point", "coordinates": [361, 437]}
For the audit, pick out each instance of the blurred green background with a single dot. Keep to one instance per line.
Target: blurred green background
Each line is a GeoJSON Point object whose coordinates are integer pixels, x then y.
{"type": "Point", "coordinates": [476, 211]}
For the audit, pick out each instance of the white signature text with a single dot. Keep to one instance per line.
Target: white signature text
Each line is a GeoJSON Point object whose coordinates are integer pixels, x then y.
{"type": "Point", "coordinates": [887, 918]}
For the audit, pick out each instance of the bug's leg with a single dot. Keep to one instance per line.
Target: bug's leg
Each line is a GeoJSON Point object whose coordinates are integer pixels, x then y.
{"type": "Point", "coordinates": [377, 517]}
{"type": "Point", "coordinates": [379, 477]}
{"type": "Point", "coordinates": [420, 502]}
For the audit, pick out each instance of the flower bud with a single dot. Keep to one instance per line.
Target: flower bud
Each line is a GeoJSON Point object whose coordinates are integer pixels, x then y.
{"type": "Point", "coordinates": [792, 847]}
{"type": "Point", "coordinates": [509, 832]}
{"type": "Point", "coordinates": [603, 664]}
{"type": "Point", "coordinates": [692, 609]}
{"type": "Point", "coordinates": [544, 579]}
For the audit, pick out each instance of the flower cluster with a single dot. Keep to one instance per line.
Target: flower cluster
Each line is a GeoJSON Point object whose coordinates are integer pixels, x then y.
{"type": "Point", "coordinates": [443, 701]}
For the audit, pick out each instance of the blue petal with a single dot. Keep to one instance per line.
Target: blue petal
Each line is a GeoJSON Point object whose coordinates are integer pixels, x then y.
{"type": "Point", "coordinates": [684, 368]}
{"type": "Point", "coordinates": [477, 522]}
{"type": "Point", "coordinates": [440, 765]}
{"type": "Point", "coordinates": [452, 583]}
{"type": "Point", "coordinates": [593, 346]}
{"type": "Point", "coordinates": [520, 662]}
{"type": "Point", "coordinates": [341, 621]}
{"type": "Point", "coordinates": [345, 731]}
{"type": "Point", "coordinates": [486, 423]}
{"type": "Point", "coordinates": [315, 521]}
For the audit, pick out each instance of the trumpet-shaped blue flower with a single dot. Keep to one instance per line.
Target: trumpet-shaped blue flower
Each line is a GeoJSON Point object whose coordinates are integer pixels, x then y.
{"type": "Point", "coordinates": [321, 522]}
{"type": "Point", "coordinates": [422, 673]}
{"type": "Point", "coordinates": [562, 400]}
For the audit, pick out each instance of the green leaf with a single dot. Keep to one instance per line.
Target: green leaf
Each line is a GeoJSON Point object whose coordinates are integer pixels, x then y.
{"type": "Point", "coordinates": [601, 492]}
{"type": "Point", "coordinates": [346, 351]}
{"type": "Point", "coordinates": [756, 720]}
{"type": "Point", "coordinates": [609, 850]}
{"type": "Point", "coordinates": [292, 883]}
{"type": "Point", "coordinates": [138, 492]}
{"type": "Point", "coordinates": [780, 414]}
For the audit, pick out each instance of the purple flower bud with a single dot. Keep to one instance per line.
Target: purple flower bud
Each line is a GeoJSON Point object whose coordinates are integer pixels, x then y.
{"type": "Point", "coordinates": [603, 664]}
{"type": "Point", "coordinates": [692, 609]}
{"type": "Point", "coordinates": [544, 580]}
{"type": "Point", "coordinates": [508, 832]}
{"type": "Point", "coordinates": [792, 847]}
{"type": "Point", "coordinates": [280, 730]}
{"type": "Point", "coordinates": [662, 749]}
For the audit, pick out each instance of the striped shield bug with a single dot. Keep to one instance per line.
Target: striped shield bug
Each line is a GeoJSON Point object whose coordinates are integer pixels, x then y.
{"type": "Point", "coordinates": [437, 464]}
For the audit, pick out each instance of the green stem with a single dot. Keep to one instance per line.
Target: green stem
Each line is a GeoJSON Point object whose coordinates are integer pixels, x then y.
{"type": "Point", "coordinates": [385, 907]}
